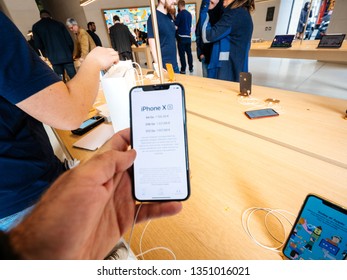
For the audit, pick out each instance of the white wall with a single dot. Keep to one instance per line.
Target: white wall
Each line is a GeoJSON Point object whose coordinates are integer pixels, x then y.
{"type": "Point", "coordinates": [293, 25]}
{"type": "Point", "coordinates": [24, 13]}
{"type": "Point", "coordinates": [265, 29]}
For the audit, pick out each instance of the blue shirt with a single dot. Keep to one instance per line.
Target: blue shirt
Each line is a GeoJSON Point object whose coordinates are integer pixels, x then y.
{"type": "Point", "coordinates": [184, 23]}
{"type": "Point", "coordinates": [27, 161]}
{"type": "Point", "coordinates": [167, 31]}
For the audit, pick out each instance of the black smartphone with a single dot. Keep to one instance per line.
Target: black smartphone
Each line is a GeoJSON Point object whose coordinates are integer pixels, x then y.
{"type": "Point", "coordinates": [159, 136]}
{"type": "Point", "coordinates": [88, 125]}
{"type": "Point", "coordinates": [319, 232]}
{"type": "Point", "coordinates": [261, 113]}
{"type": "Point", "coordinates": [245, 83]}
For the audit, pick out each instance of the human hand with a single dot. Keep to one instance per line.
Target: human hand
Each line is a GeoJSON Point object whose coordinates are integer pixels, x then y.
{"type": "Point", "coordinates": [104, 57]}
{"type": "Point", "coordinates": [87, 209]}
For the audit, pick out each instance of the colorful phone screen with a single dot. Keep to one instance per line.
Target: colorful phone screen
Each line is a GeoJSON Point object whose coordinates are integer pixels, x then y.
{"type": "Point", "coordinates": [319, 233]}
{"type": "Point", "coordinates": [158, 134]}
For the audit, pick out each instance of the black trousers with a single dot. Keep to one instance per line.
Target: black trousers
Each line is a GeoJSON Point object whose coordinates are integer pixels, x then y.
{"type": "Point", "coordinates": [184, 45]}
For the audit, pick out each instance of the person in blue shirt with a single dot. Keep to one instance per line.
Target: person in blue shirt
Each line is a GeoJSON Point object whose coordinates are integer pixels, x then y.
{"type": "Point", "coordinates": [231, 37]}
{"type": "Point", "coordinates": [167, 32]}
{"type": "Point", "coordinates": [31, 93]}
{"type": "Point", "coordinates": [183, 22]}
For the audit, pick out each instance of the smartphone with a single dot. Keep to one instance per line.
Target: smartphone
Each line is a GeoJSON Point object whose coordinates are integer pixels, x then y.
{"type": "Point", "coordinates": [261, 113]}
{"type": "Point", "coordinates": [245, 83]}
{"type": "Point", "coordinates": [88, 125]}
{"type": "Point", "coordinates": [319, 232]}
{"type": "Point", "coordinates": [159, 136]}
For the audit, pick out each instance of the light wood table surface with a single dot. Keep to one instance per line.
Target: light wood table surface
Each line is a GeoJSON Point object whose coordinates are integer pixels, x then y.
{"type": "Point", "coordinates": [305, 50]}
{"type": "Point", "coordinates": [308, 123]}
{"type": "Point", "coordinates": [237, 163]}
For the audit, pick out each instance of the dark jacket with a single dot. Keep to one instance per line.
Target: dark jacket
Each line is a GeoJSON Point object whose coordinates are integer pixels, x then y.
{"type": "Point", "coordinates": [121, 38]}
{"type": "Point", "coordinates": [206, 48]}
{"type": "Point", "coordinates": [95, 37]}
{"type": "Point", "coordinates": [53, 39]}
{"type": "Point", "coordinates": [231, 37]}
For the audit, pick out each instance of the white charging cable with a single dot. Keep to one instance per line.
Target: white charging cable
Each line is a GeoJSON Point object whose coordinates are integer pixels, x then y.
{"type": "Point", "coordinates": [277, 213]}
{"type": "Point", "coordinates": [141, 238]}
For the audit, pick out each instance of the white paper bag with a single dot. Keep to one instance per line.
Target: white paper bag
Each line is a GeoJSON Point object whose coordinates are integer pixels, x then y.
{"type": "Point", "coordinates": [116, 84]}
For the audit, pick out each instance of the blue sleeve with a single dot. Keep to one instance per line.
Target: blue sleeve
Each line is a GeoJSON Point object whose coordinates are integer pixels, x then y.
{"type": "Point", "coordinates": [23, 73]}
{"type": "Point", "coordinates": [198, 40]}
{"type": "Point", "coordinates": [220, 30]}
{"type": "Point", "coordinates": [178, 19]}
{"type": "Point", "coordinates": [149, 27]}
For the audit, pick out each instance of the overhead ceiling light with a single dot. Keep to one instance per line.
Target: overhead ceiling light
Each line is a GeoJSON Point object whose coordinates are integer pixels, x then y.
{"type": "Point", "coordinates": [85, 2]}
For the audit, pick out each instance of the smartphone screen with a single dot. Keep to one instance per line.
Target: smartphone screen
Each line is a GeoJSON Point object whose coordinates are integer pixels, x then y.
{"type": "Point", "coordinates": [159, 136]}
{"type": "Point", "coordinates": [319, 232]}
{"type": "Point", "coordinates": [88, 122]}
{"type": "Point", "coordinates": [261, 113]}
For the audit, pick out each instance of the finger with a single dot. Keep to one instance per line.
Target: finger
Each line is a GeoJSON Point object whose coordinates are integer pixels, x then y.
{"type": "Point", "coordinates": [158, 210]}
{"type": "Point", "coordinates": [102, 167]}
{"type": "Point", "coordinates": [119, 141]}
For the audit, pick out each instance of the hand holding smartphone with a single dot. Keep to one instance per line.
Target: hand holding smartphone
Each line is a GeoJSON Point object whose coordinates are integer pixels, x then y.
{"type": "Point", "coordinates": [159, 136]}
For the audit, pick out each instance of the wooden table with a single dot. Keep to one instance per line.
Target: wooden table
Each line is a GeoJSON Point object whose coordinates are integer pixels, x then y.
{"type": "Point", "coordinates": [237, 163]}
{"type": "Point", "coordinates": [143, 49]}
{"type": "Point", "coordinates": [306, 49]}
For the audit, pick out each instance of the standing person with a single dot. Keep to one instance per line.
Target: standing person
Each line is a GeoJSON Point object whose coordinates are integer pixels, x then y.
{"type": "Point", "coordinates": [203, 51]}
{"type": "Point", "coordinates": [324, 25]}
{"type": "Point", "coordinates": [122, 39]}
{"type": "Point", "coordinates": [167, 31]}
{"type": "Point", "coordinates": [32, 94]}
{"type": "Point", "coordinates": [302, 21]}
{"type": "Point", "coordinates": [84, 43]}
{"type": "Point", "coordinates": [91, 31]}
{"type": "Point", "coordinates": [183, 22]}
{"type": "Point", "coordinates": [231, 37]}
{"type": "Point", "coordinates": [55, 42]}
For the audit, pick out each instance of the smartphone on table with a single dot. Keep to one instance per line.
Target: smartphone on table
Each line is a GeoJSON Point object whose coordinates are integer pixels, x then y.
{"type": "Point", "coordinates": [89, 124]}
{"type": "Point", "coordinates": [159, 136]}
{"type": "Point", "coordinates": [245, 83]}
{"type": "Point", "coordinates": [261, 113]}
{"type": "Point", "coordinates": [319, 232]}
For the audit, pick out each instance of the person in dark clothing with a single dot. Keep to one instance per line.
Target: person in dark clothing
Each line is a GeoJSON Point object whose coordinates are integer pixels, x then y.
{"type": "Point", "coordinates": [140, 36]}
{"type": "Point", "coordinates": [122, 39]}
{"type": "Point", "coordinates": [231, 37]}
{"type": "Point", "coordinates": [91, 31]}
{"type": "Point", "coordinates": [203, 50]}
{"type": "Point", "coordinates": [183, 22]}
{"type": "Point", "coordinates": [324, 25]}
{"type": "Point", "coordinates": [55, 42]}
{"type": "Point", "coordinates": [302, 21]}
